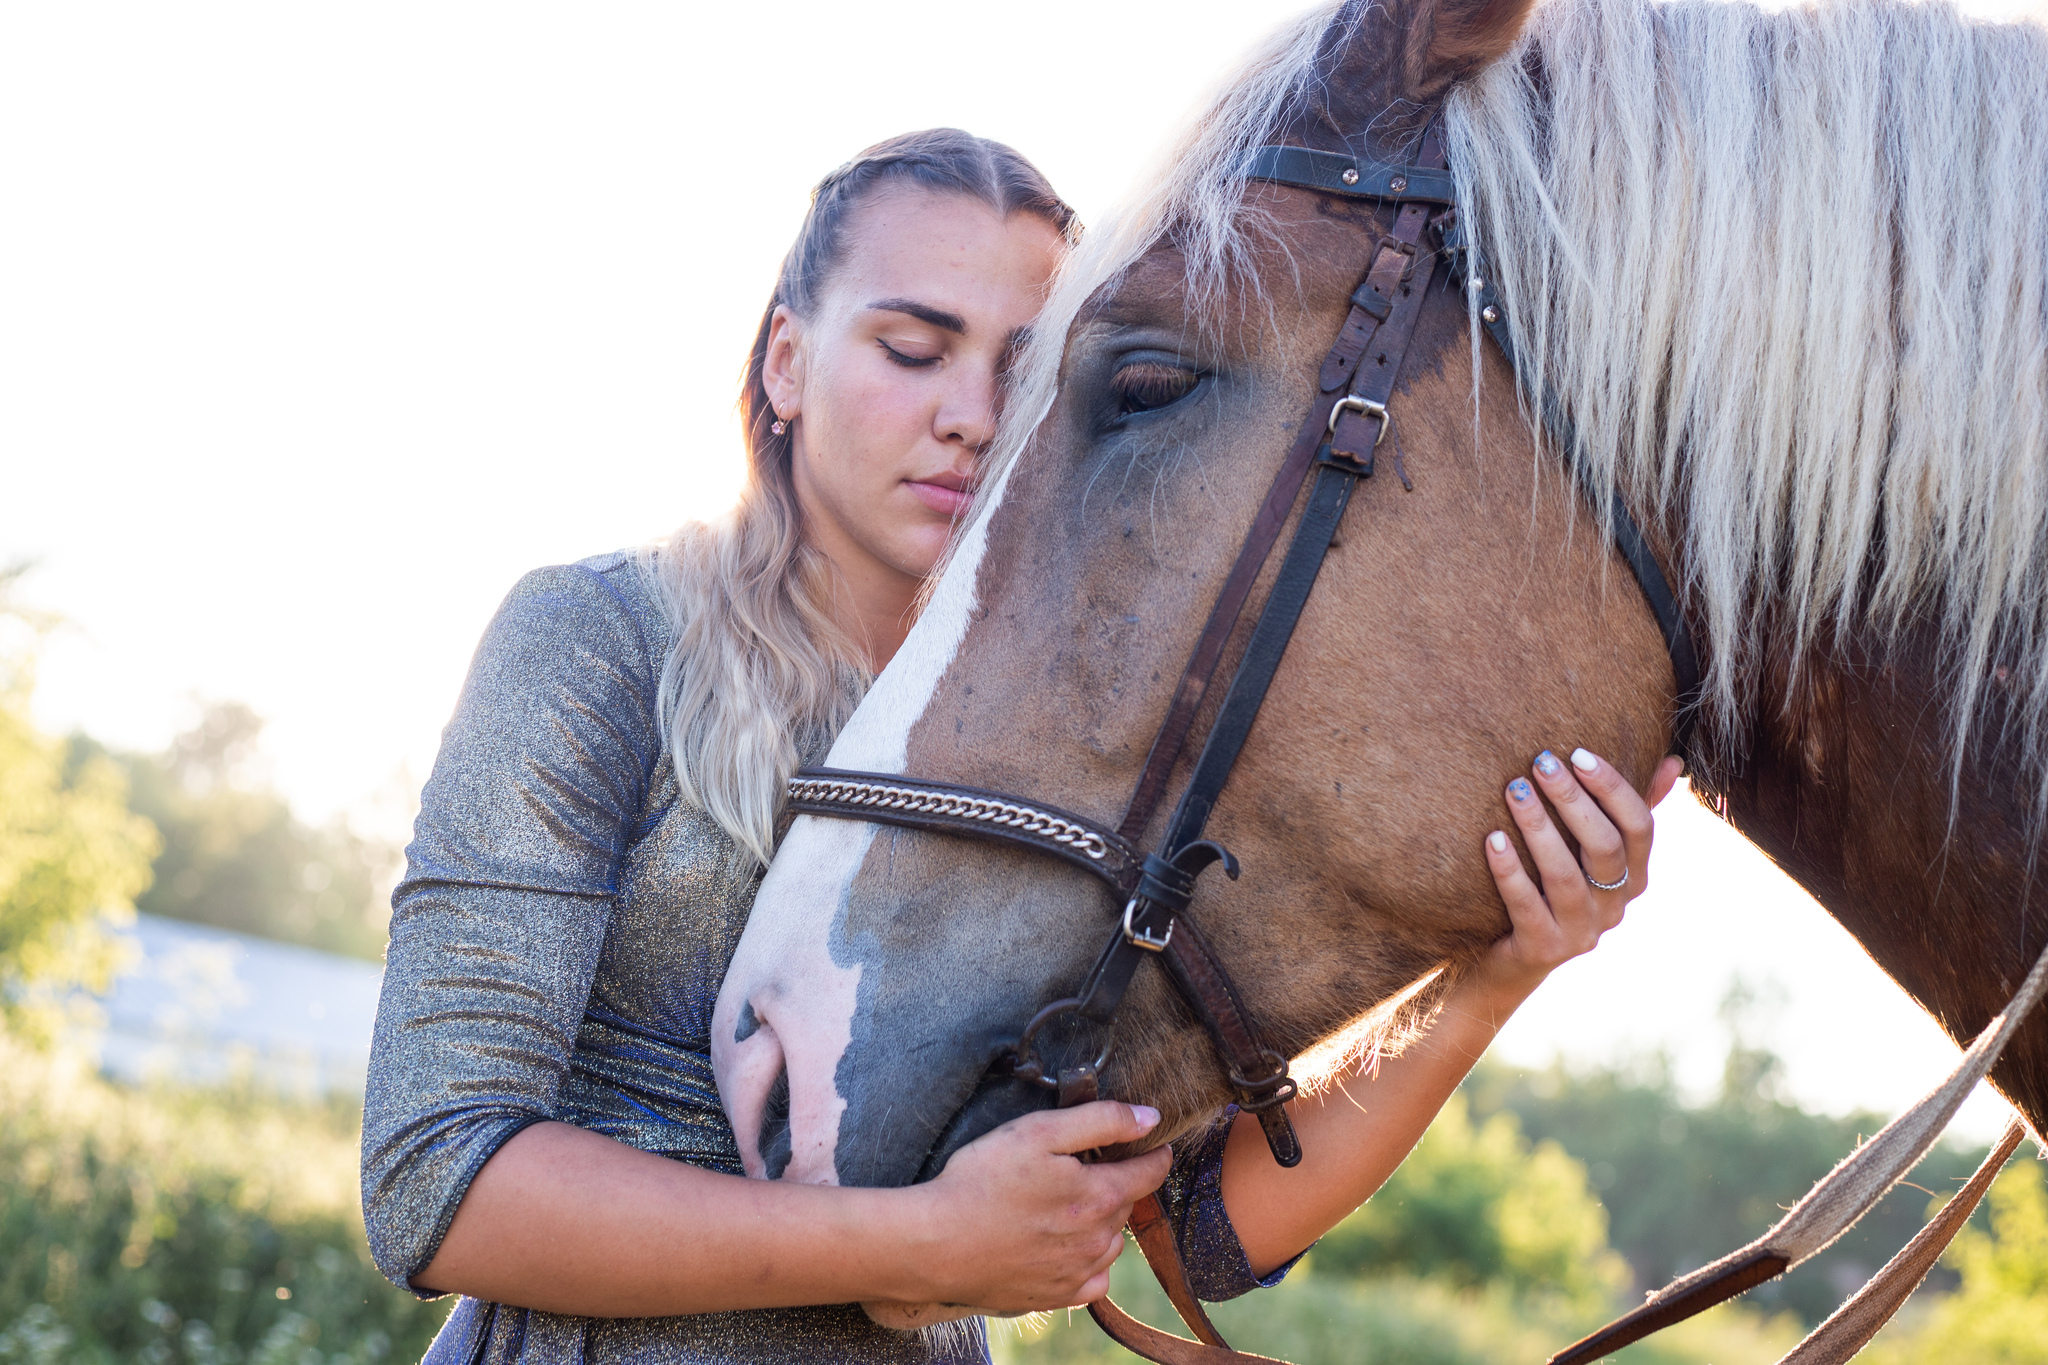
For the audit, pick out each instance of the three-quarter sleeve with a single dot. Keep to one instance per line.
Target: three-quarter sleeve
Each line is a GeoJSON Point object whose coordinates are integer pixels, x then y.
{"type": "Point", "coordinates": [498, 926]}
{"type": "Point", "coordinates": [1192, 1198]}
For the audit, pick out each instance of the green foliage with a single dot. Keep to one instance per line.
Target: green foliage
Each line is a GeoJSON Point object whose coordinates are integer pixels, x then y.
{"type": "Point", "coordinates": [164, 1227]}
{"type": "Point", "coordinates": [71, 854]}
{"type": "Point", "coordinates": [1477, 1204]}
{"type": "Point", "coordinates": [1318, 1319]}
{"type": "Point", "coordinates": [235, 857]}
{"type": "Point", "coordinates": [1999, 1316]}
{"type": "Point", "coordinates": [1685, 1184]}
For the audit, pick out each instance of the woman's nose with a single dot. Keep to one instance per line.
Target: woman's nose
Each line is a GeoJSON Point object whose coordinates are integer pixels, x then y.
{"type": "Point", "coordinates": [968, 414]}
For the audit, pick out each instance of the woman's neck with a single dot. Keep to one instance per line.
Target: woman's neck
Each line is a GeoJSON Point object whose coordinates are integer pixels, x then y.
{"type": "Point", "coordinates": [873, 604]}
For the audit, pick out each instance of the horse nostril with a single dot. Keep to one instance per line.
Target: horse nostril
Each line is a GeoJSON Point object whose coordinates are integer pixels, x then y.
{"type": "Point", "coordinates": [775, 1135]}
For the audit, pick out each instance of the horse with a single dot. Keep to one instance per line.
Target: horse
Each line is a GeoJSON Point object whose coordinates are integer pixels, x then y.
{"type": "Point", "coordinates": [1784, 273]}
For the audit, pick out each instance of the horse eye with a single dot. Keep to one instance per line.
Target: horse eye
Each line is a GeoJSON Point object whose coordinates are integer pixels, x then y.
{"type": "Point", "coordinates": [1148, 385]}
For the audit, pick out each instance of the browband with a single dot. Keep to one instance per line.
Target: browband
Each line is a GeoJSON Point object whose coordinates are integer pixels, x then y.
{"type": "Point", "coordinates": [1336, 173]}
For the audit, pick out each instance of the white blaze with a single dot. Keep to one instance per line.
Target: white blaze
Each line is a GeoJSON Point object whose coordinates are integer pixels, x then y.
{"type": "Point", "coordinates": [804, 1002]}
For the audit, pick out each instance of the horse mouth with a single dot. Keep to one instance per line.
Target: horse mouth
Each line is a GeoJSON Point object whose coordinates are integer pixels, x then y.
{"type": "Point", "coordinates": [777, 1140]}
{"type": "Point", "coordinates": [997, 1099]}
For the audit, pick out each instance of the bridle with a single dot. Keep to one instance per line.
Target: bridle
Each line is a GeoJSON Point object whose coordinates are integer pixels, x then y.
{"type": "Point", "coordinates": [1337, 443]}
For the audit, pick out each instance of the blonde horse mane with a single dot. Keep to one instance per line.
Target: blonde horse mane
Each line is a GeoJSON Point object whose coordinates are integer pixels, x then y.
{"type": "Point", "coordinates": [1787, 271]}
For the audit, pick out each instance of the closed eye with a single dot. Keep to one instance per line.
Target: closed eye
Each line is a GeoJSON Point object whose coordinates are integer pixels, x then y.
{"type": "Point", "coordinates": [1149, 385]}
{"type": "Point", "coordinates": [908, 362]}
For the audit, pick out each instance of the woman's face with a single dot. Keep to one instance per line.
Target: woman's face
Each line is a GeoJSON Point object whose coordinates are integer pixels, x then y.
{"type": "Point", "coordinates": [892, 384]}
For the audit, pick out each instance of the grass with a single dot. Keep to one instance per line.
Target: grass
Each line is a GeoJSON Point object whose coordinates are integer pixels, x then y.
{"type": "Point", "coordinates": [177, 1227]}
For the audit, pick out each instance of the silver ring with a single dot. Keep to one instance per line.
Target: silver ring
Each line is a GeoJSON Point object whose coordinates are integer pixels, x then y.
{"type": "Point", "coordinates": [1599, 885]}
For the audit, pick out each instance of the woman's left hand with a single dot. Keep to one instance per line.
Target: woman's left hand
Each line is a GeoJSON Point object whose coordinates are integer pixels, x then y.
{"type": "Point", "coordinates": [1580, 897]}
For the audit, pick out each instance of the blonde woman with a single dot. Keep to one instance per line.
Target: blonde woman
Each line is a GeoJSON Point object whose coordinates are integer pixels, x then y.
{"type": "Point", "coordinates": [541, 1132]}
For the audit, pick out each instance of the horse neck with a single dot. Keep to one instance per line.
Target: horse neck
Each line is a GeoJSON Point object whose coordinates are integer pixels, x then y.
{"type": "Point", "coordinates": [1848, 782]}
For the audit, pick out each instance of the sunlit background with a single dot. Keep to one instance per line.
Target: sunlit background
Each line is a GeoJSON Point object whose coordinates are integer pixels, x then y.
{"type": "Point", "coordinates": [320, 325]}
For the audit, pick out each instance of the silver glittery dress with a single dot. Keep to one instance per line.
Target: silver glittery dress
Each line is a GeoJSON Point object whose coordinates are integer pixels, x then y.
{"type": "Point", "coordinates": [556, 949]}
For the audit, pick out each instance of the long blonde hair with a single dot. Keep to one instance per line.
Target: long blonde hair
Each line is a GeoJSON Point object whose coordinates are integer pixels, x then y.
{"type": "Point", "coordinates": [759, 676]}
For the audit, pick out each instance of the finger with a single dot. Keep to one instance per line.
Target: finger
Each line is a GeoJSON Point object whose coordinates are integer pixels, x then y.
{"type": "Point", "coordinates": [1100, 1123]}
{"type": "Point", "coordinates": [1135, 1177]}
{"type": "Point", "coordinates": [1602, 851]}
{"type": "Point", "coordinates": [1114, 1249]}
{"type": "Point", "coordinates": [1527, 910]}
{"type": "Point", "coordinates": [1095, 1287]}
{"type": "Point", "coordinates": [1628, 811]}
{"type": "Point", "coordinates": [1555, 864]}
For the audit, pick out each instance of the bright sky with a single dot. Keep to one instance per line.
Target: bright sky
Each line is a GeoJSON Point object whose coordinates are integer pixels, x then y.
{"type": "Point", "coordinates": [319, 325]}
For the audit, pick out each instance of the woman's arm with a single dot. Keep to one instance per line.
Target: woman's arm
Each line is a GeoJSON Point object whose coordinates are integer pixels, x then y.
{"type": "Point", "coordinates": [469, 1182]}
{"type": "Point", "coordinates": [570, 1221]}
{"type": "Point", "coordinates": [1355, 1133]}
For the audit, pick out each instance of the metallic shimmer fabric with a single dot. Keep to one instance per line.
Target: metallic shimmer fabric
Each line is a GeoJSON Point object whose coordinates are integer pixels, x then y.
{"type": "Point", "coordinates": [556, 949]}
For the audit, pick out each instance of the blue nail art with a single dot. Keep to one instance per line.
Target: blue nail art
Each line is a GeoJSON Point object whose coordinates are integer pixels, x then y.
{"type": "Point", "coordinates": [1519, 789]}
{"type": "Point", "coordinates": [1547, 764]}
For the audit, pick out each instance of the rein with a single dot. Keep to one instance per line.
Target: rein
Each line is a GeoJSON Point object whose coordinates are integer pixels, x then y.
{"type": "Point", "coordinates": [1338, 443]}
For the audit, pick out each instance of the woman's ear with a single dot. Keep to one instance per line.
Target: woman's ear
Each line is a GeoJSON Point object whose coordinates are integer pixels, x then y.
{"type": "Point", "coordinates": [782, 374]}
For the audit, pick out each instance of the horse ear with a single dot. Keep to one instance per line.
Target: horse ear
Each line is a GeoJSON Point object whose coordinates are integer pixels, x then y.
{"type": "Point", "coordinates": [1458, 37]}
{"type": "Point", "coordinates": [1387, 64]}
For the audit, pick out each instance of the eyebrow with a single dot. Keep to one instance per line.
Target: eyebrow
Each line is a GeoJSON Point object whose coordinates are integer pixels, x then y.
{"type": "Point", "coordinates": [923, 312]}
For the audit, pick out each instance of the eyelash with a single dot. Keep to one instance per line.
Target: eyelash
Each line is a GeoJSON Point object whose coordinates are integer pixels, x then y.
{"type": "Point", "coordinates": [908, 362]}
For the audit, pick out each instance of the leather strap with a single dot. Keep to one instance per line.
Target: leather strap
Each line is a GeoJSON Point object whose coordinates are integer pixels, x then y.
{"type": "Point", "coordinates": [1353, 177]}
{"type": "Point", "coordinates": [1836, 1201]}
{"type": "Point", "coordinates": [1849, 1328]}
{"type": "Point", "coordinates": [1164, 1348]}
{"type": "Point", "coordinates": [1216, 632]}
{"type": "Point", "coordinates": [1154, 1234]}
{"type": "Point", "coordinates": [1371, 304]}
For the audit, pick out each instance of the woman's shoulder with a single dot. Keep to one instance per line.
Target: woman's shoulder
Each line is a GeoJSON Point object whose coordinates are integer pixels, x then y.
{"type": "Point", "coordinates": [608, 603]}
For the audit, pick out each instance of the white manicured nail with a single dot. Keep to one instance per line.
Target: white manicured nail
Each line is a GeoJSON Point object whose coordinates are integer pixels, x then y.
{"type": "Point", "coordinates": [1497, 841]}
{"type": "Point", "coordinates": [1584, 761]}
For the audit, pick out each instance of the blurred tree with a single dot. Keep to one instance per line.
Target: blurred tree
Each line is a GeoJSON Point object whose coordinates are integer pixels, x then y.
{"type": "Point", "coordinates": [1477, 1204]}
{"type": "Point", "coordinates": [1685, 1184]}
{"type": "Point", "coordinates": [2000, 1314]}
{"type": "Point", "coordinates": [72, 856]}
{"type": "Point", "coordinates": [235, 857]}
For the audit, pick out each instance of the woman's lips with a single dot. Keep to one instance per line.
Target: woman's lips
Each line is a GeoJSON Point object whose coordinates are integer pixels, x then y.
{"type": "Point", "coordinates": [947, 502]}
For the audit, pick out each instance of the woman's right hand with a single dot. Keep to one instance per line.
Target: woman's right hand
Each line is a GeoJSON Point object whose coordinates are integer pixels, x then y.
{"type": "Point", "coordinates": [1018, 1222]}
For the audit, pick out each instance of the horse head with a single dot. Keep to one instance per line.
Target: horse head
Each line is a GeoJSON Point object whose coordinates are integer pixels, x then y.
{"type": "Point", "coordinates": [1453, 632]}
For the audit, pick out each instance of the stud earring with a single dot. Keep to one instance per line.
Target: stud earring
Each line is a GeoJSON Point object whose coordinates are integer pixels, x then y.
{"type": "Point", "coordinates": [778, 426]}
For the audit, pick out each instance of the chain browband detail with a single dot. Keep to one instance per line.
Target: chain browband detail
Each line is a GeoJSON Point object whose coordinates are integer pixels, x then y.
{"type": "Point", "coordinates": [831, 791]}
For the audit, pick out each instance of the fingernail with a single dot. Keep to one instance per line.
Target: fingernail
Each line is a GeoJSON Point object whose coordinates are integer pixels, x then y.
{"type": "Point", "coordinates": [1547, 764]}
{"type": "Point", "coordinates": [1584, 761]}
{"type": "Point", "coordinates": [1520, 790]}
{"type": "Point", "coordinates": [1497, 841]}
{"type": "Point", "coordinates": [1145, 1115]}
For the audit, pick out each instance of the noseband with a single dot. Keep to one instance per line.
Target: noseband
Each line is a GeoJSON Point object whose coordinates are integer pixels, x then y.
{"type": "Point", "coordinates": [1338, 443]}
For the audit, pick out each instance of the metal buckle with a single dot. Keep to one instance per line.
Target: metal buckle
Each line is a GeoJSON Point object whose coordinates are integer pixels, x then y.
{"type": "Point", "coordinates": [1139, 938]}
{"type": "Point", "coordinates": [1364, 405]}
